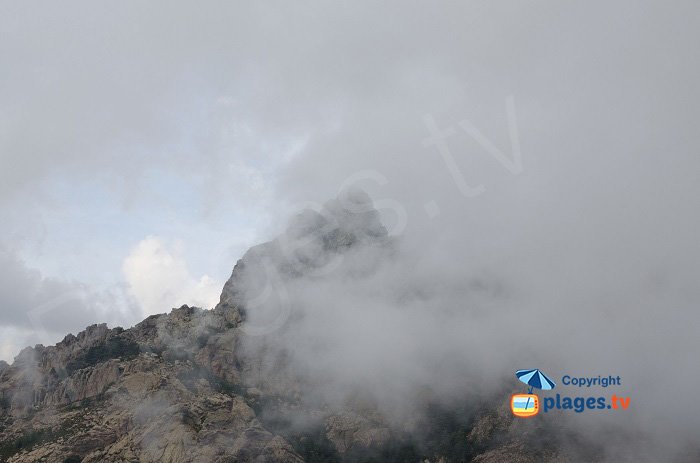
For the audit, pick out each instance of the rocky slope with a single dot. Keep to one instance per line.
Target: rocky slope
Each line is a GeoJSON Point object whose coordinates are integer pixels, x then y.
{"type": "Point", "coordinates": [182, 387]}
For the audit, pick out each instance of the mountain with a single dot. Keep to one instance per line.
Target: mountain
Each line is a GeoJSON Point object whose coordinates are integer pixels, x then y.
{"type": "Point", "coordinates": [213, 385]}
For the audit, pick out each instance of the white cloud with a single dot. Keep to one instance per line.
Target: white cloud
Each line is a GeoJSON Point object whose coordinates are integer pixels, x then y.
{"type": "Point", "coordinates": [158, 278]}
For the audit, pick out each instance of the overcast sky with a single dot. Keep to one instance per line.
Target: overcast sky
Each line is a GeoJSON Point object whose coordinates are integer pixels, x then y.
{"type": "Point", "coordinates": [145, 146]}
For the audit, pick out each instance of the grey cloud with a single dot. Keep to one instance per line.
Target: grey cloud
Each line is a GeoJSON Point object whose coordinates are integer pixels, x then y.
{"type": "Point", "coordinates": [46, 309]}
{"type": "Point", "coordinates": [586, 260]}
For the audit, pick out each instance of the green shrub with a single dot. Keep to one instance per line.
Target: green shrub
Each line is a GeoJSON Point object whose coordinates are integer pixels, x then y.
{"type": "Point", "coordinates": [115, 347]}
{"type": "Point", "coordinates": [24, 442]}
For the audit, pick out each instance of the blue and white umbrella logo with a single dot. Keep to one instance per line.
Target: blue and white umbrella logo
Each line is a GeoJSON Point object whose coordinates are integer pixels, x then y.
{"type": "Point", "coordinates": [534, 378]}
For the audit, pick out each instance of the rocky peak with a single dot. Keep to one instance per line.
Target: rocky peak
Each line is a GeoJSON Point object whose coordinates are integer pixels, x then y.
{"type": "Point", "coordinates": [352, 213]}
{"type": "Point", "coordinates": [311, 240]}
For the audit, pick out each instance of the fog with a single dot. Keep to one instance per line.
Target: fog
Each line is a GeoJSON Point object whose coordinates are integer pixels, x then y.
{"type": "Point", "coordinates": [535, 165]}
{"type": "Point", "coordinates": [396, 321]}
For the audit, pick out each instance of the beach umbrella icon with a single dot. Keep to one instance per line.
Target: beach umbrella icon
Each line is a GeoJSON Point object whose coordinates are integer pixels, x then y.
{"type": "Point", "coordinates": [535, 379]}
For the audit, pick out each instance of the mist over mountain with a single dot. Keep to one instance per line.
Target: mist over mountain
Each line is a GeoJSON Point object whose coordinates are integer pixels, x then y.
{"type": "Point", "coordinates": [329, 343]}
{"type": "Point", "coordinates": [334, 232]}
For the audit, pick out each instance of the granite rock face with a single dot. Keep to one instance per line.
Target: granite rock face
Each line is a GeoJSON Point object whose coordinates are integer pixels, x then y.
{"type": "Point", "coordinates": [180, 387]}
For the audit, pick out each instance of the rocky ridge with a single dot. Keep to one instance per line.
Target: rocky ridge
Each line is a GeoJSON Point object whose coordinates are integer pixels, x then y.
{"type": "Point", "coordinates": [178, 387]}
